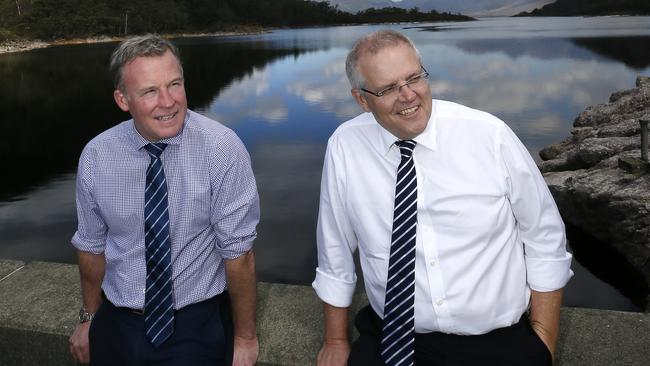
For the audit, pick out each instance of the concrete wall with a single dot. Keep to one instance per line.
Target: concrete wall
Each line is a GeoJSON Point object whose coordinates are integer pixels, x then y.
{"type": "Point", "coordinates": [39, 303]}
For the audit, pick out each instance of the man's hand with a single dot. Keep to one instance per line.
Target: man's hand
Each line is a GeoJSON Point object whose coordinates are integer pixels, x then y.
{"type": "Point", "coordinates": [240, 275]}
{"type": "Point", "coordinates": [78, 343]}
{"type": "Point", "coordinates": [334, 353]}
{"type": "Point", "coordinates": [544, 335]}
{"type": "Point", "coordinates": [246, 351]}
{"type": "Point", "coordinates": [91, 271]}
{"type": "Point", "coordinates": [336, 348]}
{"type": "Point", "coordinates": [545, 316]}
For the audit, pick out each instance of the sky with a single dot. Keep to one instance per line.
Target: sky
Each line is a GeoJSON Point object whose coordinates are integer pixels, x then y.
{"type": "Point", "coordinates": [468, 7]}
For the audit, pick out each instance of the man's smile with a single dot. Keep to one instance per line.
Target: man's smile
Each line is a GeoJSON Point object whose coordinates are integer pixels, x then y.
{"type": "Point", "coordinates": [166, 117]}
{"type": "Point", "coordinates": [407, 111]}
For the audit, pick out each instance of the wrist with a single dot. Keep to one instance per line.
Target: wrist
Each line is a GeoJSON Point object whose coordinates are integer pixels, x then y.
{"type": "Point", "coordinates": [85, 316]}
{"type": "Point", "coordinates": [335, 341]}
{"type": "Point", "coordinates": [246, 337]}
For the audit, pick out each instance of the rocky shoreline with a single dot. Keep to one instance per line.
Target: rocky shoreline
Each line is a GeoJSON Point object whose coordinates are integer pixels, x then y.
{"type": "Point", "coordinates": [20, 46]}
{"type": "Point", "coordinates": [26, 45]}
{"type": "Point", "coordinates": [584, 173]}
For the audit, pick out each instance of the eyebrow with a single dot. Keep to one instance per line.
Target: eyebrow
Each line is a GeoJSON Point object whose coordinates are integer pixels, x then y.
{"type": "Point", "coordinates": [407, 78]}
{"type": "Point", "coordinates": [180, 78]}
{"type": "Point", "coordinates": [145, 89]}
{"type": "Point", "coordinates": [153, 87]}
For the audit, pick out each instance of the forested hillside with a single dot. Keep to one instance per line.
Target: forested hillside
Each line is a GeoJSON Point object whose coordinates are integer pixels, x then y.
{"type": "Point", "coordinates": [592, 7]}
{"type": "Point", "coordinates": [52, 19]}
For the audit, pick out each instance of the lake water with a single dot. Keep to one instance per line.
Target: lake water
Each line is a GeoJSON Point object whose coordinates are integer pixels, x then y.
{"type": "Point", "coordinates": [284, 93]}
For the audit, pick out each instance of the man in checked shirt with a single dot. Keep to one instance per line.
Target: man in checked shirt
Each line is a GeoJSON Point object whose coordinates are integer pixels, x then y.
{"type": "Point", "coordinates": [205, 230]}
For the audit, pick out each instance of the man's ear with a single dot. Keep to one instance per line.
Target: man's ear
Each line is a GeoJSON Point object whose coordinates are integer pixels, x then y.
{"type": "Point", "coordinates": [121, 100]}
{"type": "Point", "coordinates": [360, 99]}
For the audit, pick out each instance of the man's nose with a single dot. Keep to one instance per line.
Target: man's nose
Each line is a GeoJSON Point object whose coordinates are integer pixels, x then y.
{"type": "Point", "coordinates": [165, 99]}
{"type": "Point", "coordinates": [405, 92]}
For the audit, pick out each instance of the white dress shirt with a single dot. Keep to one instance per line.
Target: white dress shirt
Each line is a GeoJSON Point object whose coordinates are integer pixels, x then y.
{"type": "Point", "coordinates": [488, 229]}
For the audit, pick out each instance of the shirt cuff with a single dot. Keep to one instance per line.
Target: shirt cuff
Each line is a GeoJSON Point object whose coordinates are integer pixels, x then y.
{"type": "Point", "coordinates": [237, 247]}
{"type": "Point", "coordinates": [548, 274]}
{"type": "Point", "coordinates": [334, 291]}
{"type": "Point", "coordinates": [86, 245]}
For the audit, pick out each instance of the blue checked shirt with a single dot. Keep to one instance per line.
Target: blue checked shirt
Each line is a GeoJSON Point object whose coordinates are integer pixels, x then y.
{"type": "Point", "coordinates": [213, 208]}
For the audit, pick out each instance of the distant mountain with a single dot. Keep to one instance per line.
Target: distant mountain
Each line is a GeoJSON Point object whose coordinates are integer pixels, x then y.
{"type": "Point", "coordinates": [592, 7]}
{"type": "Point", "coordinates": [472, 8]}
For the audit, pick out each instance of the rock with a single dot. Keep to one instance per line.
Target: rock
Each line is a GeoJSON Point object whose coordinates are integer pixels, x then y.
{"type": "Point", "coordinates": [590, 189]}
{"type": "Point", "coordinates": [20, 45]}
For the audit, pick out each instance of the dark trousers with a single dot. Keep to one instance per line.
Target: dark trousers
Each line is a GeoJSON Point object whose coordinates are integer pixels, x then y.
{"type": "Point", "coordinates": [202, 336]}
{"type": "Point", "coordinates": [516, 345]}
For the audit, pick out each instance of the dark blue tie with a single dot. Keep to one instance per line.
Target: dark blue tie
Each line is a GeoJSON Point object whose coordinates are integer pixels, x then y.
{"type": "Point", "coordinates": [398, 329]}
{"type": "Point", "coordinates": [159, 302]}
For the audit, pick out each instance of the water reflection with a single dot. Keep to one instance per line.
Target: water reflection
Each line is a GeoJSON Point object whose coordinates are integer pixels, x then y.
{"type": "Point", "coordinates": [284, 93]}
{"type": "Point", "coordinates": [52, 100]}
{"type": "Point", "coordinates": [288, 178]}
{"type": "Point", "coordinates": [38, 227]}
{"type": "Point", "coordinates": [55, 100]}
{"type": "Point", "coordinates": [632, 51]}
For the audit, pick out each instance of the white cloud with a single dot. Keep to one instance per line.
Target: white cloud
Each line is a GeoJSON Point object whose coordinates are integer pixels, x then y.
{"type": "Point", "coordinates": [250, 97]}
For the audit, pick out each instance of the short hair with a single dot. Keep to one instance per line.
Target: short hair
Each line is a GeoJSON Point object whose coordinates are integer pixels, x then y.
{"type": "Point", "coordinates": [372, 43]}
{"type": "Point", "coordinates": [139, 46]}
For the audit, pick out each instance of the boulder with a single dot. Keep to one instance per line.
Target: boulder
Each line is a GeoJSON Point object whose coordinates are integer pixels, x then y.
{"type": "Point", "coordinates": [591, 189]}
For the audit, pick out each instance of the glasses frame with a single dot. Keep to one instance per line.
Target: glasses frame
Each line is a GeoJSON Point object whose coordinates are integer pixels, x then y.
{"type": "Point", "coordinates": [423, 75]}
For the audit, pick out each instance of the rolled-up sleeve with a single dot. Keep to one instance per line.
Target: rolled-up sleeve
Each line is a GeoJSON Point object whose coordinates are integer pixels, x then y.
{"type": "Point", "coordinates": [235, 205]}
{"type": "Point", "coordinates": [539, 222]}
{"type": "Point", "coordinates": [335, 275]}
{"type": "Point", "coordinates": [91, 230]}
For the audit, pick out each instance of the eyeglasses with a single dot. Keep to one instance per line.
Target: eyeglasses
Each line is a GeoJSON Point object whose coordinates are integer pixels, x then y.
{"type": "Point", "coordinates": [416, 81]}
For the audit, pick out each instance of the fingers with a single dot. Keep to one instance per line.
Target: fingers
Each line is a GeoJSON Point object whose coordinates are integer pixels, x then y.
{"type": "Point", "coordinates": [78, 343]}
{"type": "Point", "coordinates": [246, 351]}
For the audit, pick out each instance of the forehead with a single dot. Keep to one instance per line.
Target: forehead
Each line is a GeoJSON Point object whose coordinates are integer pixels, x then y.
{"type": "Point", "coordinates": [150, 68]}
{"type": "Point", "coordinates": [389, 65]}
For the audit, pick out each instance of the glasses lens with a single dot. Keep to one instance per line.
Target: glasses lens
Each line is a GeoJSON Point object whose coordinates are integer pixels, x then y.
{"type": "Point", "coordinates": [387, 91]}
{"type": "Point", "coordinates": [415, 82]}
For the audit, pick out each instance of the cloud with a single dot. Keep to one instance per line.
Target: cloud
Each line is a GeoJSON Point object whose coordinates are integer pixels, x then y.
{"type": "Point", "coordinates": [250, 97]}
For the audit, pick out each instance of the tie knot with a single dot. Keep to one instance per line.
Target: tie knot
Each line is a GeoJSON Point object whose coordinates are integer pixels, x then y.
{"type": "Point", "coordinates": [155, 149]}
{"type": "Point", "coordinates": [406, 147]}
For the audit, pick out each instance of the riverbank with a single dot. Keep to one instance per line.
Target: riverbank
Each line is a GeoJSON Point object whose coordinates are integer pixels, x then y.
{"type": "Point", "coordinates": [21, 45]}
{"type": "Point", "coordinates": [594, 184]}
{"type": "Point", "coordinates": [27, 45]}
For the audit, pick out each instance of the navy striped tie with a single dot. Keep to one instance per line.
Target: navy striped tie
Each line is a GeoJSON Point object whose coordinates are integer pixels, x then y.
{"type": "Point", "coordinates": [398, 330]}
{"type": "Point", "coordinates": [159, 302]}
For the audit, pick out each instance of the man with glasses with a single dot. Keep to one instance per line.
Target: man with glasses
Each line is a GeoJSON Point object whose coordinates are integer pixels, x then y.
{"type": "Point", "coordinates": [461, 245]}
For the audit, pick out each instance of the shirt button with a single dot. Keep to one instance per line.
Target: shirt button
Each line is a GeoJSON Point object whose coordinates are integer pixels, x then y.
{"type": "Point", "coordinates": [440, 302]}
{"type": "Point", "coordinates": [432, 263]}
{"type": "Point", "coordinates": [144, 290]}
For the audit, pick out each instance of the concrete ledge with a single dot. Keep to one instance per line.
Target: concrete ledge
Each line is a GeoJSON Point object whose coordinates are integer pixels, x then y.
{"type": "Point", "coordinates": [39, 304]}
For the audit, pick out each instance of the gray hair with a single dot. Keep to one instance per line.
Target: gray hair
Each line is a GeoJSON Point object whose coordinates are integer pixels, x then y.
{"type": "Point", "coordinates": [372, 43]}
{"type": "Point", "coordinates": [138, 46]}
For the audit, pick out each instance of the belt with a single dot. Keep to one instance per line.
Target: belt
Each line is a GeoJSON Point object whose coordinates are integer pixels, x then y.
{"type": "Point", "coordinates": [220, 297]}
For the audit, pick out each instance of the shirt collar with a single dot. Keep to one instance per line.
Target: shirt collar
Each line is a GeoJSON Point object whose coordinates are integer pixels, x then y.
{"type": "Point", "coordinates": [139, 141]}
{"type": "Point", "coordinates": [426, 139]}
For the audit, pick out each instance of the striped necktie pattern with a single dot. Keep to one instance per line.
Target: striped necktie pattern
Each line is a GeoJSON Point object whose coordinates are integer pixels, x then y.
{"type": "Point", "coordinates": [159, 302]}
{"type": "Point", "coordinates": [398, 326]}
